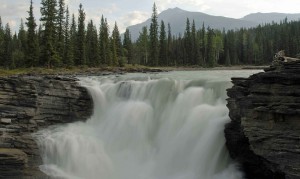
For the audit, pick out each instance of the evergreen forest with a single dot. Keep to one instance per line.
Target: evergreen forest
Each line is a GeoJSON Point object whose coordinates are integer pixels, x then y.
{"type": "Point", "coordinates": [63, 40]}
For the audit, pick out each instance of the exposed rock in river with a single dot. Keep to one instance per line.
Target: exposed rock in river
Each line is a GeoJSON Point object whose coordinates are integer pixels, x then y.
{"type": "Point", "coordinates": [264, 134]}
{"type": "Point", "coordinates": [28, 104]}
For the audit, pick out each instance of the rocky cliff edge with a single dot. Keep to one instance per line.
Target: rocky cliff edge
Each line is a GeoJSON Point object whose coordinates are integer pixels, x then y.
{"type": "Point", "coordinates": [264, 133]}
{"type": "Point", "coordinates": [28, 104]}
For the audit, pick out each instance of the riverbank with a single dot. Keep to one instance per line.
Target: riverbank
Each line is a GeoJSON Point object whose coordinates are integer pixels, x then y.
{"type": "Point", "coordinates": [113, 70]}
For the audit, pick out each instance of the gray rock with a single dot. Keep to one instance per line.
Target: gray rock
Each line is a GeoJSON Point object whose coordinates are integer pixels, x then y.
{"type": "Point", "coordinates": [12, 158]}
{"type": "Point", "coordinates": [31, 103]}
{"type": "Point", "coordinates": [5, 121]}
{"type": "Point", "coordinates": [264, 132]}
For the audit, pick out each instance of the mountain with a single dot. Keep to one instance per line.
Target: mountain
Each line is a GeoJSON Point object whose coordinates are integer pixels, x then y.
{"type": "Point", "coordinates": [262, 18]}
{"type": "Point", "coordinates": [177, 19]}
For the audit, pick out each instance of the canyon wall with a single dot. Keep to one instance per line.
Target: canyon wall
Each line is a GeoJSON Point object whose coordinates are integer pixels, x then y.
{"type": "Point", "coordinates": [264, 133]}
{"type": "Point", "coordinates": [28, 104]}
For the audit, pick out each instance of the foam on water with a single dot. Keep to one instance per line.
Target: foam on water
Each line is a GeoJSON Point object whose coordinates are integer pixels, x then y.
{"type": "Point", "coordinates": [166, 126]}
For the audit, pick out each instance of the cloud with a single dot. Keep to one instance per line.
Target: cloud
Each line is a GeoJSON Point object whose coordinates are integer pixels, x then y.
{"type": "Point", "coordinates": [11, 12]}
{"type": "Point", "coordinates": [132, 18]}
{"type": "Point", "coordinates": [113, 8]}
{"type": "Point", "coordinates": [13, 8]}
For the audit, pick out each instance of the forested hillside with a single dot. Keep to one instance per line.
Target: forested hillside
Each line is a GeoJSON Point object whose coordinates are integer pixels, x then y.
{"type": "Point", "coordinates": [63, 40]}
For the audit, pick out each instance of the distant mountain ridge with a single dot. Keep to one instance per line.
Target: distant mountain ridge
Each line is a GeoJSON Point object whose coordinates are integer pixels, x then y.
{"type": "Point", "coordinates": [262, 18]}
{"type": "Point", "coordinates": [177, 19]}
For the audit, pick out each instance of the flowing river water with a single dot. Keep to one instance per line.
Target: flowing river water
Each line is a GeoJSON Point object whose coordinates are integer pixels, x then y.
{"type": "Point", "coordinates": [146, 126]}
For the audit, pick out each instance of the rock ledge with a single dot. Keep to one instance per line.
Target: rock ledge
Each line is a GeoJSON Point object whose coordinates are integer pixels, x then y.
{"type": "Point", "coordinates": [31, 103]}
{"type": "Point", "coordinates": [264, 134]}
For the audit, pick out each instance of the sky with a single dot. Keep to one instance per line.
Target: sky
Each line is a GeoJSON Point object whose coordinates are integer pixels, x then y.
{"type": "Point", "coordinates": [131, 12]}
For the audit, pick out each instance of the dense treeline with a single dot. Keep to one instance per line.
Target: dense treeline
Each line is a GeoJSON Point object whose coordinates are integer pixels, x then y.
{"type": "Point", "coordinates": [208, 47]}
{"type": "Point", "coordinates": [62, 40]}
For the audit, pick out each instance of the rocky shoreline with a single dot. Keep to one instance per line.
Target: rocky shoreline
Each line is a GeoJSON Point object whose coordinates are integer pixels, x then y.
{"type": "Point", "coordinates": [31, 103]}
{"type": "Point", "coordinates": [264, 132]}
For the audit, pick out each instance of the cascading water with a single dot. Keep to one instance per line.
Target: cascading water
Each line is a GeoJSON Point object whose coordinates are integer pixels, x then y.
{"type": "Point", "coordinates": [146, 127]}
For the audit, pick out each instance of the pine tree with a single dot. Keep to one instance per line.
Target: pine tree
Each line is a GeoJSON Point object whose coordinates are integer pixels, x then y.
{"type": "Point", "coordinates": [188, 43]}
{"type": "Point", "coordinates": [80, 51]}
{"type": "Point", "coordinates": [8, 63]}
{"type": "Point", "coordinates": [39, 44]}
{"type": "Point", "coordinates": [1, 43]}
{"type": "Point", "coordinates": [17, 54]}
{"type": "Point", "coordinates": [203, 46]}
{"type": "Point", "coordinates": [169, 51]}
{"type": "Point", "coordinates": [60, 28]}
{"type": "Point", "coordinates": [226, 49]}
{"type": "Point", "coordinates": [22, 37]}
{"type": "Point", "coordinates": [218, 46]}
{"type": "Point", "coordinates": [118, 45]}
{"type": "Point", "coordinates": [162, 45]}
{"type": "Point", "coordinates": [232, 47]}
{"type": "Point", "coordinates": [127, 44]}
{"type": "Point", "coordinates": [68, 49]}
{"type": "Point", "coordinates": [88, 41]}
{"type": "Point", "coordinates": [227, 58]}
{"type": "Point", "coordinates": [32, 44]}
{"type": "Point", "coordinates": [113, 50]}
{"type": "Point", "coordinates": [104, 43]}
{"type": "Point", "coordinates": [210, 55]}
{"type": "Point", "coordinates": [73, 41]}
{"type": "Point", "coordinates": [153, 56]}
{"type": "Point", "coordinates": [92, 48]}
{"type": "Point", "coordinates": [143, 47]}
{"type": "Point", "coordinates": [194, 45]}
{"type": "Point", "coordinates": [49, 54]}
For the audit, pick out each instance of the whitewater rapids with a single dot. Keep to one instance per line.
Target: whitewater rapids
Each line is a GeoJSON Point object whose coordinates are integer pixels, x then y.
{"type": "Point", "coordinates": [163, 126]}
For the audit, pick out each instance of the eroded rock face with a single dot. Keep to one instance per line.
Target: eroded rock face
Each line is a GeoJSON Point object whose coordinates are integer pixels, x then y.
{"type": "Point", "coordinates": [28, 104]}
{"type": "Point", "coordinates": [264, 134]}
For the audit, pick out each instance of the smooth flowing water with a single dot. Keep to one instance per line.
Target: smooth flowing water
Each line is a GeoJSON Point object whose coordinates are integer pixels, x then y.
{"type": "Point", "coordinates": [146, 126]}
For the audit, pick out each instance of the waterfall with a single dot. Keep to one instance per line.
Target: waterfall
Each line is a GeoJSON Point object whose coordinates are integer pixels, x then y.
{"type": "Point", "coordinates": [145, 127]}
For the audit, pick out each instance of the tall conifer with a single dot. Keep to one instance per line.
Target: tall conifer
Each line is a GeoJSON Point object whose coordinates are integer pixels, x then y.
{"type": "Point", "coordinates": [153, 56]}
{"type": "Point", "coordinates": [80, 52]}
{"type": "Point", "coordinates": [104, 51]}
{"type": "Point", "coordinates": [49, 54]}
{"type": "Point", "coordinates": [127, 44]}
{"type": "Point", "coordinates": [1, 43]}
{"type": "Point", "coordinates": [92, 45]}
{"type": "Point", "coordinates": [169, 51]}
{"type": "Point", "coordinates": [67, 58]}
{"type": "Point", "coordinates": [210, 55]}
{"type": "Point", "coordinates": [162, 45]}
{"type": "Point", "coordinates": [32, 44]}
{"type": "Point", "coordinates": [118, 45]}
{"type": "Point", "coordinates": [73, 42]}
{"type": "Point", "coordinates": [60, 27]}
{"type": "Point", "coordinates": [143, 47]}
{"type": "Point", "coordinates": [7, 55]}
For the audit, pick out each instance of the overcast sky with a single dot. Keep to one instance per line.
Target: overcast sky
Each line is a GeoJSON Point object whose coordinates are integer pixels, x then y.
{"type": "Point", "coordinates": [130, 12]}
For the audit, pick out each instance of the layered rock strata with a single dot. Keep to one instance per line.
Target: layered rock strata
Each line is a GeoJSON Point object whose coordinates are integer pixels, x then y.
{"type": "Point", "coordinates": [264, 132]}
{"type": "Point", "coordinates": [28, 104]}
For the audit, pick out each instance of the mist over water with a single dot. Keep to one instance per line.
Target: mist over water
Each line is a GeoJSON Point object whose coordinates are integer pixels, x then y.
{"type": "Point", "coordinates": [159, 126]}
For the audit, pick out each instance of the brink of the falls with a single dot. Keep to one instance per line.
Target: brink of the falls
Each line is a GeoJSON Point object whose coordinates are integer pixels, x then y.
{"type": "Point", "coordinates": [159, 126]}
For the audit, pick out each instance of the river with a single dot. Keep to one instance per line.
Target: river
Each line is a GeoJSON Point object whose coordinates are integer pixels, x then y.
{"type": "Point", "coordinates": [147, 126]}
